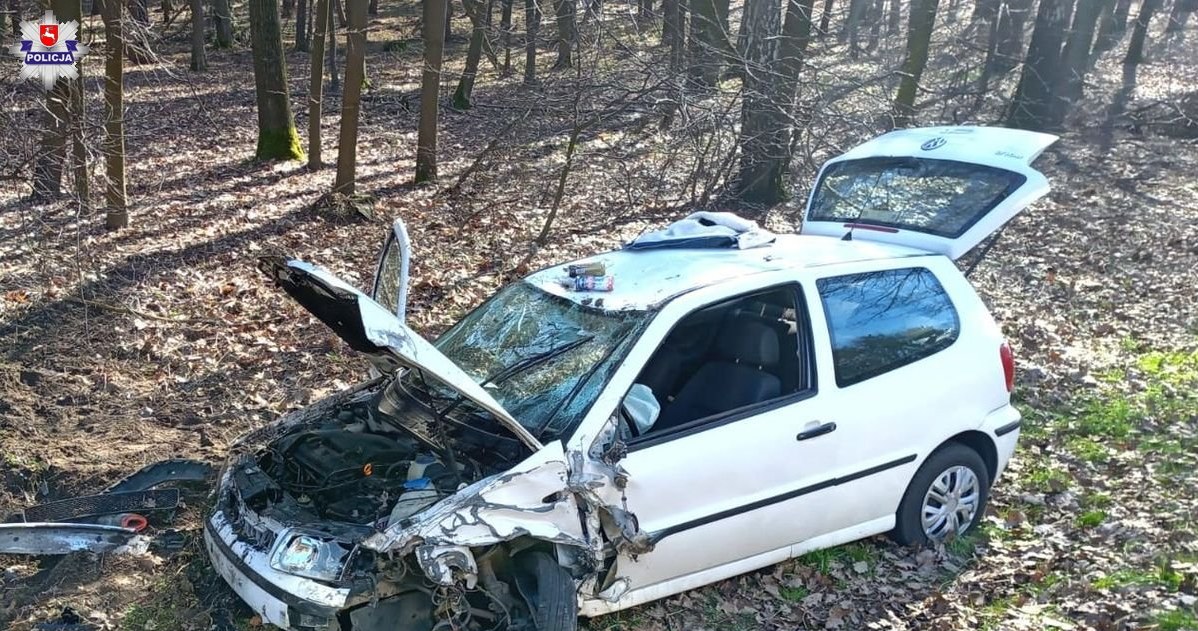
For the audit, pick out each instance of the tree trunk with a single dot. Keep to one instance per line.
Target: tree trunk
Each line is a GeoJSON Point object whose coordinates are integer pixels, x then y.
{"type": "Point", "coordinates": [1076, 56]}
{"type": "Point", "coordinates": [448, 20]}
{"type": "Point", "coordinates": [51, 156]}
{"type": "Point", "coordinates": [644, 9]}
{"type": "Point", "coordinates": [710, 48]}
{"type": "Point", "coordinates": [222, 17]}
{"type": "Point", "coordinates": [825, 18]}
{"type": "Point", "coordinates": [1012, 22]}
{"type": "Point", "coordinates": [288, 9]}
{"type": "Point", "coordinates": [1179, 16]}
{"type": "Point", "coordinates": [71, 10]}
{"type": "Point", "coordinates": [1139, 33]}
{"type": "Point", "coordinates": [759, 100]}
{"type": "Point", "coordinates": [894, 21]}
{"type": "Point", "coordinates": [1112, 27]}
{"type": "Point", "coordinates": [301, 26]}
{"type": "Point", "coordinates": [566, 32]}
{"type": "Point", "coordinates": [339, 11]}
{"type": "Point", "coordinates": [532, 21]}
{"type": "Point", "coordinates": [1033, 105]}
{"type": "Point", "coordinates": [316, 82]}
{"type": "Point", "coordinates": [331, 55]}
{"type": "Point", "coordinates": [676, 15]}
{"type": "Point", "coordinates": [277, 138]}
{"type": "Point", "coordinates": [505, 25]}
{"type": "Point", "coordinates": [848, 30]}
{"type": "Point", "coordinates": [117, 215]}
{"type": "Point", "coordinates": [767, 127]}
{"type": "Point", "coordinates": [355, 75]}
{"type": "Point", "coordinates": [14, 16]}
{"type": "Point", "coordinates": [373, 9]}
{"type": "Point", "coordinates": [985, 11]}
{"type": "Point", "coordinates": [919, 36]}
{"type": "Point", "coordinates": [199, 61]}
{"type": "Point", "coordinates": [430, 84]}
{"type": "Point", "coordinates": [671, 24]}
{"type": "Point", "coordinates": [461, 96]}
{"type": "Point", "coordinates": [877, 15]}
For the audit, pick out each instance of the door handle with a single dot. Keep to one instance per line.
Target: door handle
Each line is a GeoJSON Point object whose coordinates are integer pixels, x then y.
{"type": "Point", "coordinates": [818, 430]}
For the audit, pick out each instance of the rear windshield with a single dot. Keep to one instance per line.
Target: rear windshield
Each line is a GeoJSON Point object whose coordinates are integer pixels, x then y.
{"type": "Point", "coordinates": [939, 197]}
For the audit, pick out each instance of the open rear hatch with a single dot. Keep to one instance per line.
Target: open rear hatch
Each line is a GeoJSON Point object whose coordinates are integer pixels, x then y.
{"type": "Point", "coordinates": [938, 189]}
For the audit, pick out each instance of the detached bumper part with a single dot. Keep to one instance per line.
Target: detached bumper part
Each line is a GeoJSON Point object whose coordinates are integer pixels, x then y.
{"type": "Point", "coordinates": [284, 600]}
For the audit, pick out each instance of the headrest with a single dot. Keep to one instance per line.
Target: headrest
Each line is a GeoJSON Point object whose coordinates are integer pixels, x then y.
{"type": "Point", "coordinates": [750, 342]}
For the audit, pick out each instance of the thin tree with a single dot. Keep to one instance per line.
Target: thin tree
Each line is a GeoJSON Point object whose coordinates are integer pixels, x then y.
{"type": "Point", "coordinates": [222, 18]}
{"type": "Point", "coordinates": [767, 128]}
{"type": "Point", "coordinates": [708, 43]}
{"type": "Point", "coordinates": [919, 37]}
{"type": "Point", "coordinates": [532, 27]}
{"type": "Point", "coordinates": [199, 61]}
{"type": "Point", "coordinates": [316, 82]}
{"type": "Point", "coordinates": [1033, 105]}
{"type": "Point", "coordinates": [117, 203]}
{"type": "Point", "coordinates": [825, 18]}
{"type": "Point", "coordinates": [1139, 33]}
{"type": "Point", "coordinates": [430, 83]}
{"type": "Point", "coordinates": [1076, 56]}
{"type": "Point", "coordinates": [355, 75]}
{"type": "Point", "coordinates": [1182, 9]}
{"type": "Point", "coordinates": [277, 137]}
{"type": "Point", "coordinates": [461, 96]}
{"type": "Point", "coordinates": [567, 32]}
{"type": "Point", "coordinates": [1008, 48]}
{"type": "Point", "coordinates": [331, 50]}
{"type": "Point", "coordinates": [672, 27]}
{"type": "Point", "coordinates": [14, 16]}
{"type": "Point", "coordinates": [71, 10]}
{"type": "Point", "coordinates": [301, 26]}
{"type": "Point", "coordinates": [1111, 27]}
{"type": "Point", "coordinates": [505, 26]}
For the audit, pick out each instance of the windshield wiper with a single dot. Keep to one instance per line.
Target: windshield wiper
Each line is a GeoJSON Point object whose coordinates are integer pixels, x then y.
{"type": "Point", "coordinates": [533, 360]}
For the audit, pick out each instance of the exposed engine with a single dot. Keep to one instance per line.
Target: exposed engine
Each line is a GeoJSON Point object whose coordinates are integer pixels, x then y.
{"type": "Point", "coordinates": [354, 470]}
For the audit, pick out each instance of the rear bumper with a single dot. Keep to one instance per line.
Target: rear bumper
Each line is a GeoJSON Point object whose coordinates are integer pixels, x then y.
{"type": "Point", "coordinates": [1003, 425]}
{"type": "Point", "coordinates": [284, 600]}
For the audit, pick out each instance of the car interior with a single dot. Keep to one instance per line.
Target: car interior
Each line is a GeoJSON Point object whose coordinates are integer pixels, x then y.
{"type": "Point", "coordinates": [727, 356]}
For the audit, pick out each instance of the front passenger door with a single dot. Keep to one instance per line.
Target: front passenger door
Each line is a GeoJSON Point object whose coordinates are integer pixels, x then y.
{"type": "Point", "coordinates": [728, 486]}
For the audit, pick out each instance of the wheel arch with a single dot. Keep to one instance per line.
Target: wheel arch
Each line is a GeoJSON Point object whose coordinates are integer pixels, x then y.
{"type": "Point", "coordinates": [981, 443]}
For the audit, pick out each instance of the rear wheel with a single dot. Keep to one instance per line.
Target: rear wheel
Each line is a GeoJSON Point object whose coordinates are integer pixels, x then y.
{"type": "Point", "coordinates": [946, 498]}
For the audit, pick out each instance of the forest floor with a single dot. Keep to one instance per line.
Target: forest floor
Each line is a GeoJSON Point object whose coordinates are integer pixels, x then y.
{"type": "Point", "coordinates": [162, 340]}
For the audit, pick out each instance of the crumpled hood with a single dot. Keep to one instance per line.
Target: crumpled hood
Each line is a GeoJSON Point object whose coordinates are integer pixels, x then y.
{"type": "Point", "coordinates": [369, 328]}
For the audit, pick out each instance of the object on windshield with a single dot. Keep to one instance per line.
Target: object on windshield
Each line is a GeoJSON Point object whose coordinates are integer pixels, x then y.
{"type": "Point", "coordinates": [590, 283]}
{"type": "Point", "coordinates": [594, 268]}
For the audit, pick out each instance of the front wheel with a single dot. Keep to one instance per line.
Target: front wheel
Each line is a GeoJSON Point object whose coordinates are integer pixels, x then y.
{"type": "Point", "coordinates": [946, 498]}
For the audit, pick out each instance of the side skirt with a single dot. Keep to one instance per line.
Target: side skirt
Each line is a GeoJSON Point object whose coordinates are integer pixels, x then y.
{"type": "Point", "coordinates": [590, 608]}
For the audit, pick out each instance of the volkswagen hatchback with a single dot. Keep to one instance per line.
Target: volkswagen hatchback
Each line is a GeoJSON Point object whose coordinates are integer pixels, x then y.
{"type": "Point", "coordinates": [735, 399]}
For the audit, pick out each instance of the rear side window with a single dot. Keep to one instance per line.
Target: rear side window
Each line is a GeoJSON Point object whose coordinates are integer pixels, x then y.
{"type": "Point", "coordinates": [882, 320]}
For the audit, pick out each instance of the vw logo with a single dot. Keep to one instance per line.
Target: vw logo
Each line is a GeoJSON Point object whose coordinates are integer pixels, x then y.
{"type": "Point", "coordinates": [934, 143]}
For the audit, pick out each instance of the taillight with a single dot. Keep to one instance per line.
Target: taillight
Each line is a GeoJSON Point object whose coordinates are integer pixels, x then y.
{"type": "Point", "coordinates": [1008, 365]}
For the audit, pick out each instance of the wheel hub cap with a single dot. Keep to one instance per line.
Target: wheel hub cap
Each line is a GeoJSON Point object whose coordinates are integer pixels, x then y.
{"type": "Point", "coordinates": [951, 503]}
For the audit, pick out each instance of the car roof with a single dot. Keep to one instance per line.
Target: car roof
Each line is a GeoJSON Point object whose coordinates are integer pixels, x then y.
{"type": "Point", "coordinates": [646, 279]}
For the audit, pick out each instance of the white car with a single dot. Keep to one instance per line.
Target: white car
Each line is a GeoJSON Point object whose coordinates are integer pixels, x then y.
{"type": "Point", "coordinates": [736, 398]}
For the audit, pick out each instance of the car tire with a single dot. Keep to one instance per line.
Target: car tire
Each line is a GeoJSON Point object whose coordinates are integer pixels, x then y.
{"type": "Point", "coordinates": [549, 592]}
{"type": "Point", "coordinates": [950, 467]}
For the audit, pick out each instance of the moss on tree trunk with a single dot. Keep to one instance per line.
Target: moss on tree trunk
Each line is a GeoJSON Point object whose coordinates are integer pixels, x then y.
{"type": "Point", "coordinates": [277, 137]}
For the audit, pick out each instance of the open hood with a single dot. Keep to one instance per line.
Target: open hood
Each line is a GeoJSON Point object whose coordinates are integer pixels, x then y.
{"type": "Point", "coordinates": [370, 328]}
{"type": "Point", "coordinates": [938, 189]}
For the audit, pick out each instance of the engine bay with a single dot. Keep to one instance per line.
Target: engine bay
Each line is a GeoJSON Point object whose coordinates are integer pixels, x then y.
{"type": "Point", "coordinates": [355, 466]}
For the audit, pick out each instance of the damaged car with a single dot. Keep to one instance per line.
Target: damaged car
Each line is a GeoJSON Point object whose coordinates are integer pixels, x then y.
{"type": "Point", "coordinates": [708, 400]}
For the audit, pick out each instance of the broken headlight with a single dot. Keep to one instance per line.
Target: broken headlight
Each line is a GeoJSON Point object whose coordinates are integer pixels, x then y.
{"type": "Point", "coordinates": [308, 555]}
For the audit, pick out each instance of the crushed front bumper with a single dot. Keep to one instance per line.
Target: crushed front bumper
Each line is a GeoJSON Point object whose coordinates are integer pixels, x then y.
{"type": "Point", "coordinates": [284, 600]}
